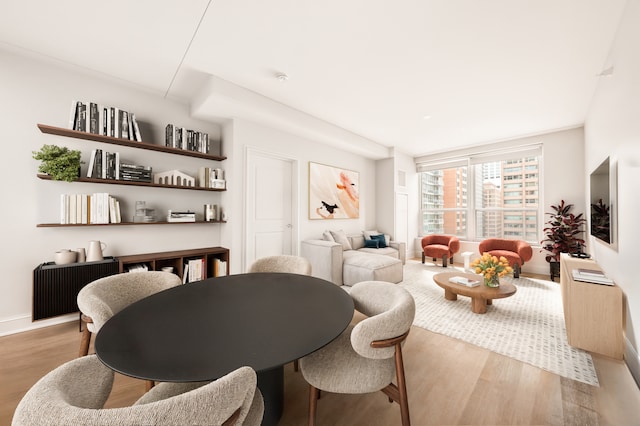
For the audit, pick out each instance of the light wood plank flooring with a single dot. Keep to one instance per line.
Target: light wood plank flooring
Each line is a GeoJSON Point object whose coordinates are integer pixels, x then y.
{"type": "Point", "coordinates": [449, 382]}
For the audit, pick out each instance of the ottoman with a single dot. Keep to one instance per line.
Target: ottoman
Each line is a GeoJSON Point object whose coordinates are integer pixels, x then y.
{"type": "Point", "coordinates": [370, 267]}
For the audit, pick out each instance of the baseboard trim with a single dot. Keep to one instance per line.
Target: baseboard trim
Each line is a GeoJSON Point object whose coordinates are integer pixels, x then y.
{"type": "Point", "coordinates": [633, 360]}
{"type": "Point", "coordinates": [24, 323]}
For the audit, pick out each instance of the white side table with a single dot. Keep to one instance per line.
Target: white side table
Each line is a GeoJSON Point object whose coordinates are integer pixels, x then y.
{"type": "Point", "coordinates": [467, 257]}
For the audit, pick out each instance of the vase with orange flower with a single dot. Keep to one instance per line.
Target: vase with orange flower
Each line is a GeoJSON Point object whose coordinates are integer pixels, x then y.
{"type": "Point", "coordinates": [492, 268]}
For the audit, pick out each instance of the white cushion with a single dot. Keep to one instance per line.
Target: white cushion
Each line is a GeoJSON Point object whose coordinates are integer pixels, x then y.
{"type": "Point", "coordinates": [341, 238]}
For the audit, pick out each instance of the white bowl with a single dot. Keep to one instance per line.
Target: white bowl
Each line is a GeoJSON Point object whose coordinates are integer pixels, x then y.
{"type": "Point", "coordinates": [64, 257]}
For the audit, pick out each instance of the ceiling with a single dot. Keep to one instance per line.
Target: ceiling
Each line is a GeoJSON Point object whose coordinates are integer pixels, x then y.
{"type": "Point", "coordinates": [418, 76]}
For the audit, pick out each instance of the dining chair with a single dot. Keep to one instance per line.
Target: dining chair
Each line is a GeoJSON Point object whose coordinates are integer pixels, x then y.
{"type": "Point", "coordinates": [101, 299]}
{"type": "Point", "coordinates": [368, 355]}
{"type": "Point", "coordinates": [282, 263]}
{"type": "Point", "coordinates": [75, 394]}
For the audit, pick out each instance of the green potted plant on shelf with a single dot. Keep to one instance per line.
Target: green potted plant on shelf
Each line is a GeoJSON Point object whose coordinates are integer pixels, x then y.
{"type": "Point", "coordinates": [60, 163]}
{"type": "Point", "coordinates": [562, 235]}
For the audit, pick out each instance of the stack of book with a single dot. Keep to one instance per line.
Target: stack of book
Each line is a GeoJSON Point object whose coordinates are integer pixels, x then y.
{"type": "Point", "coordinates": [465, 281]}
{"type": "Point", "coordinates": [187, 216]}
{"type": "Point", "coordinates": [102, 120]}
{"type": "Point", "coordinates": [591, 276]}
{"type": "Point", "coordinates": [182, 138]}
{"type": "Point", "coordinates": [134, 172]}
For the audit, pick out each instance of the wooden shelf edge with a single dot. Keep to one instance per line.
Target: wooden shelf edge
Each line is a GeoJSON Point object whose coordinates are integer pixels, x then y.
{"type": "Point", "coordinates": [133, 183]}
{"type": "Point", "coordinates": [60, 131]}
{"type": "Point", "coordinates": [60, 225]}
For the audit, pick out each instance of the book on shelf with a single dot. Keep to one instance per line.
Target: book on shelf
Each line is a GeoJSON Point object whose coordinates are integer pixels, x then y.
{"type": "Point", "coordinates": [196, 270]}
{"type": "Point", "coordinates": [73, 114]}
{"type": "Point", "coordinates": [591, 272]}
{"type": "Point", "coordinates": [185, 272]}
{"type": "Point", "coordinates": [138, 267]}
{"type": "Point", "coordinates": [465, 281]}
{"type": "Point", "coordinates": [591, 277]}
{"type": "Point", "coordinates": [219, 267]}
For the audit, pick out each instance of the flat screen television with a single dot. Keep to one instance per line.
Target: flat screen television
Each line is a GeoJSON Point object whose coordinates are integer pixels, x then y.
{"type": "Point", "coordinates": [602, 184]}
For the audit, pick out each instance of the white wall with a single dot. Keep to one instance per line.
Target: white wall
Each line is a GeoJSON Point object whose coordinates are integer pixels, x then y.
{"type": "Point", "coordinates": [255, 136]}
{"type": "Point", "coordinates": [37, 92]}
{"type": "Point", "coordinates": [613, 129]}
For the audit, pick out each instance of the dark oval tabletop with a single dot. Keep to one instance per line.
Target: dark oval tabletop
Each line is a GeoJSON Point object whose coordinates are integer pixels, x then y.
{"type": "Point", "coordinates": [204, 330]}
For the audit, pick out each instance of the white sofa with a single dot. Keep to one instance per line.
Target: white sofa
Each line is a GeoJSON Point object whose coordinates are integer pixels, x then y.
{"type": "Point", "coordinates": [346, 261]}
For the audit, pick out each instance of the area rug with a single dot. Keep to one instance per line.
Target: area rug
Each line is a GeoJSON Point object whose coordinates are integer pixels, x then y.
{"type": "Point", "coordinates": [528, 326]}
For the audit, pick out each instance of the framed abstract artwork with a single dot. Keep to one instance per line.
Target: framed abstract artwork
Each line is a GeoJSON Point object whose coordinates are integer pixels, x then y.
{"type": "Point", "coordinates": [333, 192]}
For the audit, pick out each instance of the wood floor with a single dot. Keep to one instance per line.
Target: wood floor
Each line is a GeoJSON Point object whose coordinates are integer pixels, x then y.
{"type": "Point", "coordinates": [449, 382]}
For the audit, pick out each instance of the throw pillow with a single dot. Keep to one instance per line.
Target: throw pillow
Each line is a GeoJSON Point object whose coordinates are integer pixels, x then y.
{"type": "Point", "coordinates": [382, 242]}
{"type": "Point", "coordinates": [326, 235]}
{"type": "Point", "coordinates": [372, 244]}
{"type": "Point", "coordinates": [341, 238]}
{"type": "Point", "coordinates": [368, 234]}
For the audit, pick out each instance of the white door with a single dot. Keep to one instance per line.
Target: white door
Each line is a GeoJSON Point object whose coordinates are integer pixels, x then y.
{"type": "Point", "coordinates": [271, 206]}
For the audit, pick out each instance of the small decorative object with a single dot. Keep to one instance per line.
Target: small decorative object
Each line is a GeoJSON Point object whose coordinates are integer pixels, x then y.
{"type": "Point", "coordinates": [94, 251]}
{"type": "Point", "coordinates": [174, 177]}
{"type": "Point", "coordinates": [64, 256]}
{"type": "Point", "coordinates": [143, 214]}
{"type": "Point", "coordinates": [60, 163]}
{"type": "Point", "coordinates": [210, 212]}
{"type": "Point", "coordinates": [82, 255]}
{"type": "Point", "coordinates": [492, 268]}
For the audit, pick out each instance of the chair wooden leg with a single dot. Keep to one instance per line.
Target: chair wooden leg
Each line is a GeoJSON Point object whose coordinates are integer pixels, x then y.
{"type": "Point", "coordinates": [422, 257]}
{"type": "Point", "coordinates": [516, 270]}
{"type": "Point", "coordinates": [85, 341]}
{"type": "Point", "coordinates": [444, 261]}
{"type": "Point", "coordinates": [313, 404]}
{"type": "Point", "coordinates": [402, 387]}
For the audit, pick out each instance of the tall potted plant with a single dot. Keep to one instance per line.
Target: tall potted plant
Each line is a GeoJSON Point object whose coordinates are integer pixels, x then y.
{"type": "Point", "coordinates": [562, 235]}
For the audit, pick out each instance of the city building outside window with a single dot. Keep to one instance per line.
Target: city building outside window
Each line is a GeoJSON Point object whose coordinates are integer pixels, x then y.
{"type": "Point", "coordinates": [483, 197]}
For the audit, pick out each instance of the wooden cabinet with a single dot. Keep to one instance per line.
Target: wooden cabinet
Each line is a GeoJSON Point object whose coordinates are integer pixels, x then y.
{"type": "Point", "coordinates": [177, 260]}
{"type": "Point", "coordinates": [59, 131]}
{"type": "Point", "coordinates": [56, 287]}
{"type": "Point", "coordinates": [593, 313]}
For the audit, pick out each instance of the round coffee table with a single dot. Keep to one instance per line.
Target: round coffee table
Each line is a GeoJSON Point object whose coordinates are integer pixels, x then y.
{"type": "Point", "coordinates": [481, 295]}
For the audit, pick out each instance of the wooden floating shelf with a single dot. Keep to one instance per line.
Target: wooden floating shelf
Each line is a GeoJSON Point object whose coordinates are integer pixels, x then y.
{"type": "Point", "coordinates": [60, 131]}
{"type": "Point", "coordinates": [133, 183]}
{"type": "Point", "coordinates": [76, 225]}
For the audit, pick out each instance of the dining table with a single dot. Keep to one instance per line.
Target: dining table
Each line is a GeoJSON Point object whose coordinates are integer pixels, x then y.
{"type": "Point", "coordinates": [203, 330]}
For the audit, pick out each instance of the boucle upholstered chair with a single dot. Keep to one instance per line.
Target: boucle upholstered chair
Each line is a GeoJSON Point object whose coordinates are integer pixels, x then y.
{"type": "Point", "coordinates": [440, 246]}
{"type": "Point", "coordinates": [515, 251]}
{"type": "Point", "coordinates": [103, 298]}
{"type": "Point", "coordinates": [75, 393]}
{"type": "Point", "coordinates": [366, 356]}
{"type": "Point", "coordinates": [282, 263]}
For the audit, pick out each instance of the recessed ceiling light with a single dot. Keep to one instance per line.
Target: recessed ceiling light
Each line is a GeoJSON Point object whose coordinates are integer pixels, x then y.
{"type": "Point", "coordinates": [426, 117]}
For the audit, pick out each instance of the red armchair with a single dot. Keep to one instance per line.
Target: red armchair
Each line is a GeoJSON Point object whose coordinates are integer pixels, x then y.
{"type": "Point", "coordinates": [515, 251]}
{"type": "Point", "coordinates": [440, 246]}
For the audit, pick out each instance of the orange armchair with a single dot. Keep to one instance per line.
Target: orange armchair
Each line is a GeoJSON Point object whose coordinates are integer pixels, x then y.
{"type": "Point", "coordinates": [436, 246]}
{"type": "Point", "coordinates": [515, 251]}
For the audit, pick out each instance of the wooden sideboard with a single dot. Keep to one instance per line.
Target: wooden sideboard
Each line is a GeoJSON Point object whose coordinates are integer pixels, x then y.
{"type": "Point", "coordinates": [593, 313]}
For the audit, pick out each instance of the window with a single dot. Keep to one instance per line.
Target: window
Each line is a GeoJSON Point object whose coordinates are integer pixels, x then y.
{"type": "Point", "coordinates": [490, 189]}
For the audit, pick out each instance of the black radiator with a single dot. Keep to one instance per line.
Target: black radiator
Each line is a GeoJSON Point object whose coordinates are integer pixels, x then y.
{"type": "Point", "coordinates": [56, 287]}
